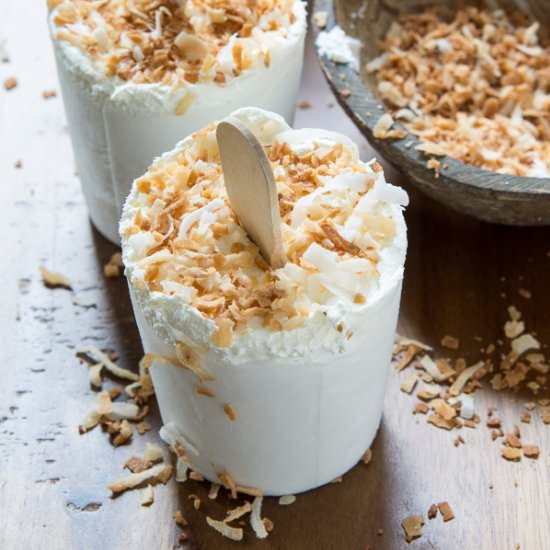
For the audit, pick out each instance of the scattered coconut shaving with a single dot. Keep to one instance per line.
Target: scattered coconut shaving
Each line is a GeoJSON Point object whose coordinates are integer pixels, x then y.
{"type": "Point", "coordinates": [114, 267]}
{"type": "Point", "coordinates": [158, 473]}
{"type": "Point", "coordinates": [148, 496]}
{"type": "Point", "coordinates": [233, 533]}
{"type": "Point", "coordinates": [54, 279]}
{"type": "Point", "coordinates": [412, 526]}
{"type": "Point", "coordinates": [256, 522]}
{"type": "Point", "coordinates": [286, 500]}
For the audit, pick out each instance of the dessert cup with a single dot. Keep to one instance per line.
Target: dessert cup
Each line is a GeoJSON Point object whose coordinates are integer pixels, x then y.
{"type": "Point", "coordinates": [270, 381]}
{"type": "Point", "coordinates": [133, 85]}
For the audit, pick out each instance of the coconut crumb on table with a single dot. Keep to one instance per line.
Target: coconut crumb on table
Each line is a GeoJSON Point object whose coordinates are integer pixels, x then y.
{"type": "Point", "coordinates": [367, 457]}
{"type": "Point", "coordinates": [450, 403]}
{"type": "Point", "coordinates": [412, 526]}
{"type": "Point", "coordinates": [531, 451]}
{"type": "Point", "coordinates": [114, 267]}
{"type": "Point", "coordinates": [48, 94]}
{"type": "Point", "coordinates": [54, 279]}
{"type": "Point", "coordinates": [10, 83]}
{"type": "Point", "coordinates": [446, 511]}
{"type": "Point", "coordinates": [320, 18]}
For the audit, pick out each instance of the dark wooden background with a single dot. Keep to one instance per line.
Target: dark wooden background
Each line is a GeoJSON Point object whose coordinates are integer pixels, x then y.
{"type": "Point", "coordinates": [461, 275]}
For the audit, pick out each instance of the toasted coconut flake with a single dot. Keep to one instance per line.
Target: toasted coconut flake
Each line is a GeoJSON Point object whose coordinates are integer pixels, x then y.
{"type": "Point", "coordinates": [104, 404]}
{"type": "Point", "coordinates": [214, 490]}
{"type": "Point", "coordinates": [203, 390]}
{"type": "Point", "coordinates": [409, 354]}
{"type": "Point", "coordinates": [113, 268]}
{"type": "Point", "coordinates": [180, 520]}
{"type": "Point", "coordinates": [136, 464]}
{"type": "Point", "coordinates": [114, 369]}
{"type": "Point", "coordinates": [143, 427]}
{"type": "Point", "coordinates": [223, 337]}
{"type": "Point", "coordinates": [90, 422]}
{"type": "Point", "coordinates": [531, 451]}
{"type": "Point", "coordinates": [94, 374]}
{"type": "Point", "coordinates": [446, 511]}
{"type": "Point", "coordinates": [148, 496]}
{"type": "Point", "coordinates": [421, 408]}
{"type": "Point", "coordinates": [524, 343]}
{"type": "Point", "coordinates": [286, 500]}
{"type": "Point", "coordinates": [238, 512]}
{"type": "Point", "coordinates": [125, 409]}
{"type": "Point", "coordinates": [228, 482]}
{"type": "Point", "coordinates": [10, 83]}
{"type": "Point", "coordinates": [404, 342]}
{"type": "Point", "coordinates": [367, 457]}
{"type": "Point", "coordinates": [431, 367]}
{"type": "Point", "coordinates": [189, 359]}
{"type": "Point", "coordinates": [99, 357]}
{"type": "Point", "coordinates": [511, 453]}
{"type": "Point", "coordinates": [256, 521]}
{"type": "Point", "coordinates": [182, 467]}
{"type": "Point", "coordinates": [320, 18]}
{"type": "Point", "coordinates": [382, 126]}
{"type": "Point", "coordinates": [429, 392]}
{"type": "Point", "coordinates": [444, 410]}
{"type": "Point", "coordinates": [153, 452]}
{"type": "Point", "coordinates": [432, 511]}
{"type": "Point", "coordinates": [412, 526]}
{"type": "Point", "coordinates": [440, 422]}
{"type": "Point", "coordinates": [53, 279]}
{"type": "Point", "coordinates": [464, 377]}
{"type": "Point", "coordinates": [124, 434]}
{"type": "Point", "coordinates": [196, 476]}
{"type": "Point", "coordinates": [450, 342]}
{"type": "Point", "coordinates": [159, 472]}
{"type": "Point", "coordinates": [230, 412]}
{"type": "Point", "coordinates": [233, 533]}
{"type": "Point", "coordinates": [513, 329]}
{"type": "Point", "coordinates": [409, 383]}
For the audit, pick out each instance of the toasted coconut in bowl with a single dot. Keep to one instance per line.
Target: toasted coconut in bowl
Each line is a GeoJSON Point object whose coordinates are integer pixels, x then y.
{"type": "Point", "coordinates": [457, 98]}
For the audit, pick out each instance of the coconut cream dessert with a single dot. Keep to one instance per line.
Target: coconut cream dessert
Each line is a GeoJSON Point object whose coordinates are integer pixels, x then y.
{"type": "Point", "coordinates": [269, 381]}
{"type": "Point", "coordinates": [139, 75]}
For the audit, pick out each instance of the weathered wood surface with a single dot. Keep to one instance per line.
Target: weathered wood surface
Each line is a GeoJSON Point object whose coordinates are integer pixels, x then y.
{"type": "Point", "coordinates": [479, 193]}
{"type": "Point", "coordinates": [53, 492]}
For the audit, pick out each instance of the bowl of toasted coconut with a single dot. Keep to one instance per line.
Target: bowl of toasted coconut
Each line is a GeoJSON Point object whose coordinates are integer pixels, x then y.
{"type": "Point", "coordinates": [456, 95]}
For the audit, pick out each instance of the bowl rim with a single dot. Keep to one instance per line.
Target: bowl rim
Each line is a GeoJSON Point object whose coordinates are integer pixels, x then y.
{"type": "Point", "coordinates": [364, 108]}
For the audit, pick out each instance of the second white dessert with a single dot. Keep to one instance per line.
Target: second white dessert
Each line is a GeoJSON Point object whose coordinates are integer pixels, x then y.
{"type": "Point", "coordinates": [137, 80]}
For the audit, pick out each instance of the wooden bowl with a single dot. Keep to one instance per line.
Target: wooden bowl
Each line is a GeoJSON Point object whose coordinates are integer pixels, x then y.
{"type": "Point", "coordinates": [485, 195]}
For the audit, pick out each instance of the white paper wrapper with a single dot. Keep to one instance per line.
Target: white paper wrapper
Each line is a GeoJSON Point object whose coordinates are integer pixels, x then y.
{"type": "Point", "coordinates": [117, 135]}
{"type": "Point", "coordinates": [300, 423]}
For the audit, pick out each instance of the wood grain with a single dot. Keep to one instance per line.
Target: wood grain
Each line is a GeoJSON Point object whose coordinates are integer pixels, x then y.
{"type": "Point", "coordinates": [485, 195]}
{"type": "Point", "coordinates": [53, 492]}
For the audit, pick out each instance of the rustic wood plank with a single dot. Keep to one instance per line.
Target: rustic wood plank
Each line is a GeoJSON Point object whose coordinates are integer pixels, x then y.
{"type": "Point", "coordinates": [50, 475]}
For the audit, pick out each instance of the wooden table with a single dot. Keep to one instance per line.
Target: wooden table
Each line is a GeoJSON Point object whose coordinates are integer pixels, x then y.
{"type": "Point", "coordinates": [460, 277]}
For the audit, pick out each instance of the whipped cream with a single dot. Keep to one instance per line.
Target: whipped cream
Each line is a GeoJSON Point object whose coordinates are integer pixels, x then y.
{"type": "Point", "coordinates": [301, 353]}
{"type": "Point", "coordinates": [119, 122]}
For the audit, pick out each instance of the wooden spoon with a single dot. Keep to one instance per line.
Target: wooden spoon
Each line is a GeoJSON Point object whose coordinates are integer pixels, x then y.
{"type": "Point", "coordinates": [251, 188]}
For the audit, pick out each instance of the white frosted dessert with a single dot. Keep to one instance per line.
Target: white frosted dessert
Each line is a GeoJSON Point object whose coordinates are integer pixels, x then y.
{"type": "Point", "coordinates": [269, 379]}
{"type": "Point", "coordinates": [137, 76]}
